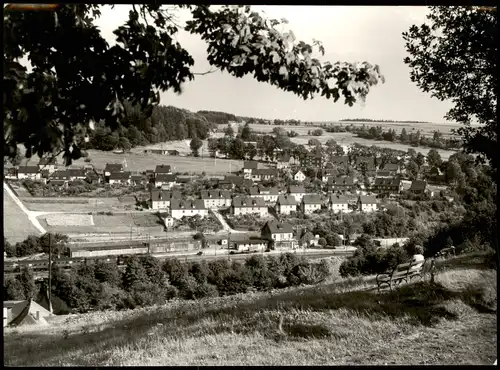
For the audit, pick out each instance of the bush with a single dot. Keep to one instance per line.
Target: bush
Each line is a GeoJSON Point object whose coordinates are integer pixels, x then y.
{"type": "Point", "coordinates": [88, 160]}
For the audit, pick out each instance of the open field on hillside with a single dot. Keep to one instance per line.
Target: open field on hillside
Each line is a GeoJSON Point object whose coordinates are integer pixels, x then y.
{"type": "Point", "coordinates": [78, 204]}
{"type": "Point", "coordinates": [452, 322]}
{"type": "Point", "coordinates": [16, 225]}
{"type": "Point", "coordinates": [68, 220]}
{"type": "Point", "coordinates": [114, 224]}
{"type": "Point", "coordinates": [425, 128]}
{"type": "Point", "coordinates": [141, 162]}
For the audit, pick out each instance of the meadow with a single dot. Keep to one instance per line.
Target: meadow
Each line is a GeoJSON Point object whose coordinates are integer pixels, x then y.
{"type": "Point", "coordinates": [348, 138]}
{"type": "Point", "coordinates": [139, 162]}
{"type": "Point", "coordinates": [16, 224]}
{"type": "Point", "coordinates": [341, 322]}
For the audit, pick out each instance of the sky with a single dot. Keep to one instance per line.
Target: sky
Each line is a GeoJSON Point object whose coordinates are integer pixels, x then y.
{"type": "Point", "coordinates": [348, 33]}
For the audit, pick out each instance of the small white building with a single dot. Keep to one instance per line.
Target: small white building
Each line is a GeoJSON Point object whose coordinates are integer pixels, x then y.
{"type": "Point", "coordinates": [248, 168]}
{"type": "Point", "coordinates": [299, 176]}
{"type": "Point", "coordinates": [286, 204]}
{"type": "Point", "coordinates": [298, 192]}
{"type": "Point", "coordinates": [338, 203]}
{"type": "Point", "coordinates": [246, 205]}
{"type": "Point", "coordinates": [161, 199]}
{"type": "Point", "coordinates": [189, 208]}
{"type": "Point", "coordinates": [48, 164]}
{"type": "Point", "coordinates": [216, 198]}
{"type": "Point", "coordinates": [123, 178]}
{"type": "Point", "coordinates": [311, 203]}
{"type": "Point", "coordinates": [29, 172]}
{"type": "Point", "coordinates": [367, 203]}
{"type": "Point", "coordinates": [165, 181]}
{"type": "Point", "coordinates": [270, 195]}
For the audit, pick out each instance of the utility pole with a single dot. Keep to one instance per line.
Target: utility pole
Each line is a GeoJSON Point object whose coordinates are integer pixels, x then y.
{"type": "Point", "coordinates": [228, 244]}
{"type": "Point", "coordinates": [50, 274]}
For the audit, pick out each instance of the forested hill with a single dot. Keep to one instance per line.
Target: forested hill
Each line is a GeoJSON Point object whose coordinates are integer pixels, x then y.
{"type": "Point", "coordinates": [218, 117]}
{"type": "Point", "coordinates": [167, 123]}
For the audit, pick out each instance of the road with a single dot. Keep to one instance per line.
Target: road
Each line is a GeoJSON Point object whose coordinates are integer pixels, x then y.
{"type": "Point", "coordinates": [224, 223]}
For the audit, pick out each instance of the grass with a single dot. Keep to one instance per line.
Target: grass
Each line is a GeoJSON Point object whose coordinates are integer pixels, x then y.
{"type": "Point", "coordinates": [141, 162]}
{"type": "Point", "coordinates": [16, 225]}
{"type": "Point", "coordinates": [450, 322]}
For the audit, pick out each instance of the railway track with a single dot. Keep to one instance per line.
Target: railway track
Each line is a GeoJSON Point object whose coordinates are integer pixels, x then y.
{"type": "Point", "coordinates": [40, 267]}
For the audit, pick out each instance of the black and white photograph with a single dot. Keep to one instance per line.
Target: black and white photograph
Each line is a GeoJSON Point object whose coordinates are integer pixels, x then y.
{"type": "Point", "coordinates": [238, 185]}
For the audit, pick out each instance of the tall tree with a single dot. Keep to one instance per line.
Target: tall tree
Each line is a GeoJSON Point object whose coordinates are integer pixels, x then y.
{"type": "Point", "coordinates": [412, 169]}
{"type": "Point", "coordinates": [228, 131]}
{"type": "Point", "coordinates": [195, 146]}
{"type": "Point", "coordinates": [453, 56]}
{"type": "Point", "coordinates": [434, 158]}
{"type": "Point", "coordinates": [246, 132]}
{"type": "Point", "coordinates": [420, 159]}
{"type": "Point", "coordinates": [78, 78]}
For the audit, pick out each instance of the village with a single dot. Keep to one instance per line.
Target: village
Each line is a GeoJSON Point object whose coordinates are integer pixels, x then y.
{"type": "Point", "coordinates": [267, 205]}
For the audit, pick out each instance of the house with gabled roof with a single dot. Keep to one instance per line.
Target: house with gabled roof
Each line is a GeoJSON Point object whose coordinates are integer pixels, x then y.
{"type": "Point", "coordinates": [60, 175]}
{"type": "Point", "coordinates": [216, 198]}
{"type": "Point", "coordinates": [388, 185]}
{"type": "Point", "coordinates": [299, 176]}
{"type": "Point", "coordinates": [344, 183]}
{"type": "Point", "coordinates": [286, 204]}
{"type": "Point", "coordinates": [310, 203]}
{"type": "Point", "coordinates": [29, 172]}
{"type": "Point", "coordinates": [48, 164]}
{"type": "Point", "coordinates": [112, 167]}
{"type": "Point", "coordinates": [283, 162]}
{"type": "Point", "coordinates": [123, 178]}
{"type": "Point", "coordinates": [367, 203]}
{"type": "Point", "coordinates": [247, 205]}
{"type": "Point", "coordinates": [338, 203]}
{"type": "Point", "coordinates": [418, 187]}
{"type": "Point", "coordinates": [248, 168]}
{"type": "Point", "coordinates": [329, 172]}
{"type": "Point", "coordinates": [263, 174]}
{"type": "Point", "coordinates": [162, 169]}
{"type": "Point", "coordinates": [77, 174]}
{"type": "Point", "coordinates": [297, 191]}
{"type": "Point", "coordinates": [160, 199]}
{"type": "Point", "coordinates": [312, 159]}
{"type": "Point", "coordinates": [187, 208]}
{"type": "Point", "coordinates": [270, 195]}
{"type": "Point", "coordinates": [93, 177]}
{"type": "Point", "coordinates": [165, 181]}
{"type": "Point", "coordinates": [279, 234]}
{"type": "Point", "coordinates": [392, 168]}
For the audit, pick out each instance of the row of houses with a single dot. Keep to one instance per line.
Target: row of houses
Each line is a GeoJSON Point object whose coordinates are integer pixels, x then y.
{"type": "Point", "coordinates": [257, 203]}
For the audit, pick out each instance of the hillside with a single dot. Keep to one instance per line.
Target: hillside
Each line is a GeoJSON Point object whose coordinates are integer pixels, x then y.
{"type": "Point", "coordinates": [451, 322]}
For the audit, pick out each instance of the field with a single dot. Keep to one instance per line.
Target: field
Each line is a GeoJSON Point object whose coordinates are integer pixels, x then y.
{"type": "Point", "coordinates": [68, 220]}
{"type": "Point", "coordinates": [137, 223]}
{"type": "Point", "coordinates": [16, 224]}
{"type": "Point", "coordinates": [452, 322]}
{"type": "Point", "coordinates": [77, 205]}
{"type": "Point", "coordinates": [142, 162]}
{"type": "Point", "coordinates": [347, 138]}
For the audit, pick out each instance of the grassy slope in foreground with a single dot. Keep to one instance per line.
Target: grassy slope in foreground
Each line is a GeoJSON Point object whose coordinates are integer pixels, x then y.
{"type": "Point", "coordinates": [332, 324]}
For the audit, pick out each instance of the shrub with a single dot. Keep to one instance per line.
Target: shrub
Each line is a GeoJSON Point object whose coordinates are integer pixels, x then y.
{"type": "Point", "coordinates": [88, 160]}
{"type": "Point", "coordinates": [206, 290]}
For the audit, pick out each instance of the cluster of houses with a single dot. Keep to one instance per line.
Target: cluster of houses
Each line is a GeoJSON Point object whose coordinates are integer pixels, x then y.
{"type": "Point", "coordinates": [386, 180]}
{"type": "Point", "coordinates": [258, 202]}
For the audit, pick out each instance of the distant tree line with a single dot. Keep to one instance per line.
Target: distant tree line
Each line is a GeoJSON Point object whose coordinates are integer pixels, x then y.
{"type": "Point", "coordinates": [378, 120]}
{"type": "Point", "coordinates": [136, 129]}
{"type": "Point", "coordinates": [219, 118]}
{"type": "Point", "coordinates": [413, 138]}
{"type": "Point", "coordinates": [147, 281]}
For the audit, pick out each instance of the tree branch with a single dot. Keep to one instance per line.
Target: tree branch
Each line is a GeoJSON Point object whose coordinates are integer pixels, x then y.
{"type": "Point", "coordinates": [207, 72]}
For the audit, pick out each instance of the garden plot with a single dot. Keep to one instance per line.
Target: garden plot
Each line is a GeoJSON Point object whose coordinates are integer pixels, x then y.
{"type": "Point", "coordinates": [69, 220]}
